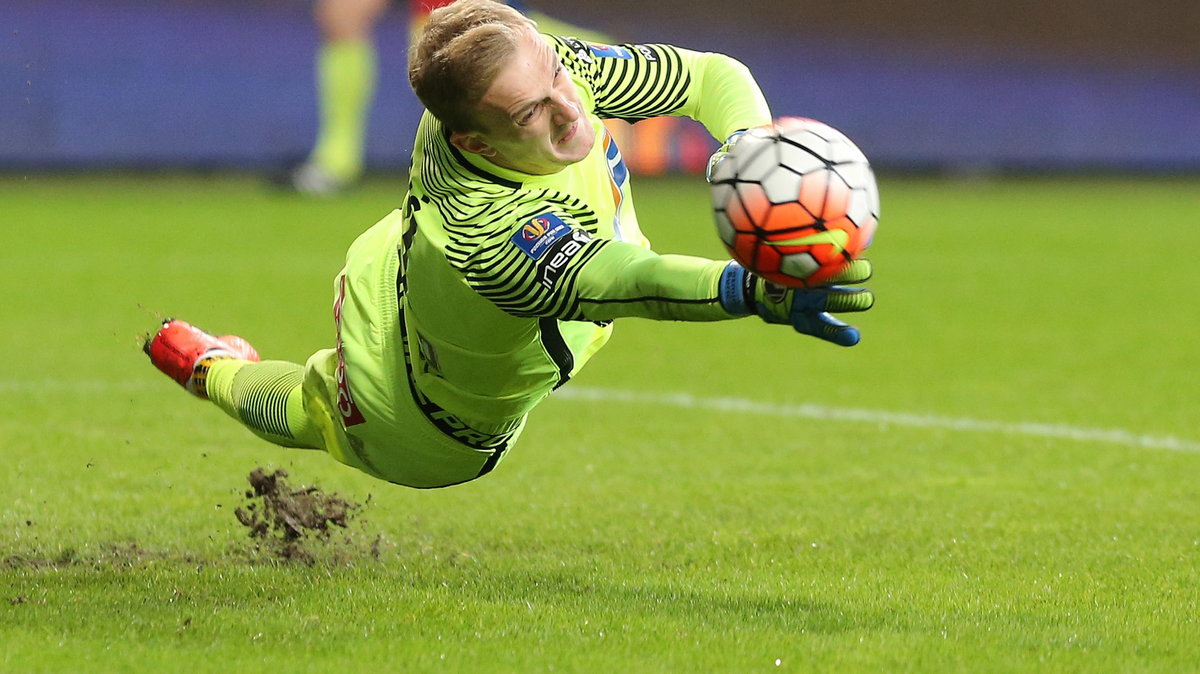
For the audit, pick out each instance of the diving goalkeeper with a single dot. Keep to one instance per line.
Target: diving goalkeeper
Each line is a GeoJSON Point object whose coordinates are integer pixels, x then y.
{"type": "Point", "coordinates": [517, 247]}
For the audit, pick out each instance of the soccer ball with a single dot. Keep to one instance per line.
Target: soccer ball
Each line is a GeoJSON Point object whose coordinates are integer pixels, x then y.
{"type": "Point", "coordinates": [795, 201]}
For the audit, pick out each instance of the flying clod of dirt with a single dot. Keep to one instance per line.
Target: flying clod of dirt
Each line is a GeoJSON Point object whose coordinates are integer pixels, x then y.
{"type": "Point", "coordinates": [299, 524]}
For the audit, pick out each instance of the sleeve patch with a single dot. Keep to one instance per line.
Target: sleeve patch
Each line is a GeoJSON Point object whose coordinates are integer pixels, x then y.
{"type": "Point", "coordinates": [609, 51]}
{"type": "Point", "coordinates": [537, 235]}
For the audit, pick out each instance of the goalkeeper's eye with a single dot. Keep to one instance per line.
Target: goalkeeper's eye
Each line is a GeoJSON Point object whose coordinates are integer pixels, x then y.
{"type": "Point", "coordinates": [527, 117]}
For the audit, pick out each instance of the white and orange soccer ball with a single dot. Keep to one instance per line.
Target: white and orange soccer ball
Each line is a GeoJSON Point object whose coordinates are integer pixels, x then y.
{"type": "Point", "coordinates": [795, 201]}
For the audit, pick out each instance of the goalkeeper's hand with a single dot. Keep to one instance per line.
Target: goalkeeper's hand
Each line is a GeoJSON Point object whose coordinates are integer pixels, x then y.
{"type": "Point", "coordinates": [715, 160]}
{"type": "Point", "coordinates": [808, 310]}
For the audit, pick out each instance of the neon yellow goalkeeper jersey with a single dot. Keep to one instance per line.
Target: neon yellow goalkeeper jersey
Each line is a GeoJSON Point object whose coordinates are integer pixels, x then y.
{"type": "Point", "coordinates": [509, 282]}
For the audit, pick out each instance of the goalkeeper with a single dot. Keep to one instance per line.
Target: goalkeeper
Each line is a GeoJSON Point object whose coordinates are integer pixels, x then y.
{"type": "Point", "coordinates": [516, 248]}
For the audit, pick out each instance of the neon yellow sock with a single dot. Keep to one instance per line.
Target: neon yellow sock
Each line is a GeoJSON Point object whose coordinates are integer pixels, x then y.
{"type": "Point", "coordinates": [346, 73]}
{"type": "Point", "coordinates": [266, 398]}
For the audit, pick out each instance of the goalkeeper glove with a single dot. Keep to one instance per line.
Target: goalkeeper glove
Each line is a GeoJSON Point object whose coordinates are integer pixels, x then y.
{"type": "Point", "coordinates": [720, 154]}
{"type": "Point", "coordinates": [805, 309]}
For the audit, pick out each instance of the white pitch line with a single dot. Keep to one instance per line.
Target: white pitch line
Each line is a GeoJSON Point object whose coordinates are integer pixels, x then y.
{"type": "Point", "coordinates": [1114, 436]}
{"type": "Point", "coordinates": [571, 393]}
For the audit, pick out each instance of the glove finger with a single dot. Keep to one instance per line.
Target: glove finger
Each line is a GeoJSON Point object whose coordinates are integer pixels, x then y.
{"type": "Point", "coordinates": [857, 271]}
{"type": "Point", "coordinates": [835, 299]}
{"type": "Point", "coordinates": [839, 299]}
{"type": "Point", "coordinates": [823, 326]}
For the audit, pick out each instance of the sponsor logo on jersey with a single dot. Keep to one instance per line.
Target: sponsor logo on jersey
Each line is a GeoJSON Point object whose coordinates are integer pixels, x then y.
{"type": "Point", "coordinates": [456, 428]}
{"type": "Point", "coordinates": [579, 49]}
{"type": "Point", "coordinates": [647, 52]}
{"type": "Point", "coordinates": [559, 255]}
{"type": "Point", "coordinates": [351, 416]}
{"type": "Point", "coordinates": [609, 51]}
{"type": "Point", "coordinates": [537, 235]}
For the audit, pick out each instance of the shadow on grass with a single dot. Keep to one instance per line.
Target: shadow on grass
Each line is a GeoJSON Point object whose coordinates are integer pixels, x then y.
{"type": "Point", "coordinates": [721, 608]}
{"type": "Point", "coordinates": [602, 600]}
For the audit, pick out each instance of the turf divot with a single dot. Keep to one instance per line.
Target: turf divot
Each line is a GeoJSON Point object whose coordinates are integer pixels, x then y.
{"type": "Point", "coordinates": [301, 524]}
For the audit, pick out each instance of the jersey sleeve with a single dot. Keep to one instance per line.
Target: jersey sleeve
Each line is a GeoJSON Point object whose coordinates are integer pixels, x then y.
{"type": "Point", "coordinates": [637, 81]}
{"type": "Point", "coordinates": [624, 279]}
{"type": "Point", "coordinates": [549, 265]}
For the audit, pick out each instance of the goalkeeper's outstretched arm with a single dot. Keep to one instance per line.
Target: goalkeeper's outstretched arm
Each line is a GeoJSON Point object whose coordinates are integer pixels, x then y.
{"type": "Point", "coordinates": [623, 279]}
{"type": "Point", "coordinates": [627, 280]}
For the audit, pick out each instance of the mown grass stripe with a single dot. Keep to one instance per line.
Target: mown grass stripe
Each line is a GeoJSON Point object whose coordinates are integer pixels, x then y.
{"type": "Point", "coordinates": [727, 404]}
{"type": "Point", "coordinates": [1114, 436]}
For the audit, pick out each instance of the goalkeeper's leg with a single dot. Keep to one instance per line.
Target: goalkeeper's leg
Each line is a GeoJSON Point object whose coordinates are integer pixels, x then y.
{"type": "Point", "coordinates": [266, 397]}
{"type": "Point", "coordinates": [383, 430]}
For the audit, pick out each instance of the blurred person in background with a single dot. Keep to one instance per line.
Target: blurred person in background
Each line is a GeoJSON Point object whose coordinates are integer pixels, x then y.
{"type": "Point", "coordinates": [347, 73]}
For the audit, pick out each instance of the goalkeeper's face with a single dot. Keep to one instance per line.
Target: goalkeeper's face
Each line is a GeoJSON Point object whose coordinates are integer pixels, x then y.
{"type": "Point", "coordinates": [531, 117]}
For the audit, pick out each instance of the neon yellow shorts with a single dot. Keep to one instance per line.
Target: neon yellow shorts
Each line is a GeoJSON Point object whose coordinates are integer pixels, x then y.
{"type": "Point", "coordinates": [360, 393]}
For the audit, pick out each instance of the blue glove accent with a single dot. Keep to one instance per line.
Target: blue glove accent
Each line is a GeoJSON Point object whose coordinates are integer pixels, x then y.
{"type": "Point", "coordinates": [809, 301]}
{"type": "Point", "coordinates": [808, 316]}
{"type": "Point", "coordinates": [825, 326]}
{"type": "Point", "coordinates": [731, 289]}
{"type": "Point", "coordinates": [805, 309]}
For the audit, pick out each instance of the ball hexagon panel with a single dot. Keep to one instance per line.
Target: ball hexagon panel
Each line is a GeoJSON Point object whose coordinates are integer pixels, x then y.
{"type": "Point", "coordinates": [799, 159]}
{"type": "Point", "coordinates": [856, 174]}
{"type": "Point", "coordinates": [813, 192]}
{"type": "Point", "coordinates": [843, 152]}
{"type": "Point", "coordinates": [745, 248]}
{"type": "Point", "coordinates": [807, 139]}
{"type": "Point", "coordinates": [754, 158]}
{"type": "Point", "coordinates": [724, 228]}
{"type": "Point", "coordinates": [737, 215]}
{"type": "Point", "coordinates": [721, 193]}
{"type": "Point", "coordinates": [799, 265]}
{"type": "Point", "coordinates": [781, 186]}
{"type": "Point", "coordinates": [859, 210]}
{"type": "Point", "coordinates": [754, 202]}
{"type": "Point", "coordinates": [786, 218]}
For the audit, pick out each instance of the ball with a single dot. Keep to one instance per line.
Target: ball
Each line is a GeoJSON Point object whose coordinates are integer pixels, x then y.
{"type": "Point", "coordinates": [795, 201]}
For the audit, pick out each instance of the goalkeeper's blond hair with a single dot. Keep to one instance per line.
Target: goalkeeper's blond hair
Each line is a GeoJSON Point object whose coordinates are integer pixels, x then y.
{"type": "Point", "coordinates": [458, 54]}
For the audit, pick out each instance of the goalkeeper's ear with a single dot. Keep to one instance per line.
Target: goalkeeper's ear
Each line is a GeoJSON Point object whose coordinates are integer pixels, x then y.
{"type": "Point", "coordinates": [472, 142]}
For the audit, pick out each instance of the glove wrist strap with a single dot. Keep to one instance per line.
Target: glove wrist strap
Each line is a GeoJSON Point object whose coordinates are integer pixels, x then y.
{"type": "Point", "coordinates": [736, 290]}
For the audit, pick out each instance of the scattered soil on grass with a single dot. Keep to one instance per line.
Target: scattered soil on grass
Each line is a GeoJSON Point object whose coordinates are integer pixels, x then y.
{"type": "Point", "coordinates": [128, 554]}
{"type": "Point", "coordinates": [285, 523]}
{"type": "Point", "coordinates": [303, 524]}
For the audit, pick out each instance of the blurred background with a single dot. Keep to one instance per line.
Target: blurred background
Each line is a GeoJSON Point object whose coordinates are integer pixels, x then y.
{"type": "Point", "coordinates": [926, 85]}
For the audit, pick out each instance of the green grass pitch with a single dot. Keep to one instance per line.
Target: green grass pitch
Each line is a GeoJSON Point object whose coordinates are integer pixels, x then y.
{"type": "Point", "coordinates": [1003, 476]}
